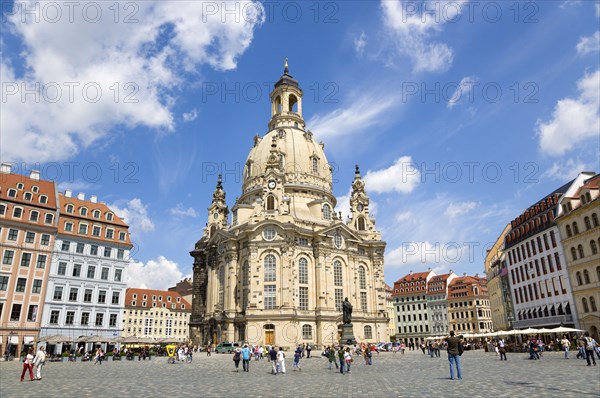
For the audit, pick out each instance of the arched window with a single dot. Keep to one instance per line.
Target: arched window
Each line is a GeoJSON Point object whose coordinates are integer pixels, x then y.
{"type": "Point", "coordinates": [96, 213]}
{"type": "Point", "coordinates": [580, 251]}
{"type": "Point", "coordinates": [83, 211]}
{"type": "Point", "coordinates": [594, 247]}
{"type": "Point", "coordinates": [293, 104]}
{"type": "Point", "coordinates": [278, 107]}
{"type": "Point", "coordinates": [575, 228]}
{"type": "Point", "coordinates": [593, 304]}
{"type": "Point", "coordinates": [368, 332]}
{"type": "Point", "coordinates": [248, 170]}
{"type": "Point", "coordinates": [568, 229]}
{"type": "Point", "coordinates": [337, 273]}
{"type": "Point", "coordinates": [362, 278]}
{"type": "Point", "coordinates": [598, 273]}
{"type": "Point", "coordinates": [306, 332]}
{"type": "Point", "coordinates": [361, 224]}
{"type": "Point", "coordinates": [588, 224]}
{"type": "Point", "coordinates": [222, 286]}
{"type": "Point", "coordinates": [574, 253]}
{"type": "Point", "coordinates": [270, 202]}
{"type": "Point", "coordinates": [69, 208]}
{"type": "Point", "coordinates": [585, 305]}
{"type": "Point", "coordinates": [282, 161]}
{"type": "Point", "coordinates": [595, 219]}
{"type": "Point", "coordinates": [270, 268]}
{"type": "Point", "coordinates": [314, 164]}
{"type": "Point", "coordinates": [302, 270]}
{"type": "Point", "coordinates": [326, 210]}
{"type": "Point", "coordinates": [586, 276]}
{"type": "Point", "coordinates": [579, 280]}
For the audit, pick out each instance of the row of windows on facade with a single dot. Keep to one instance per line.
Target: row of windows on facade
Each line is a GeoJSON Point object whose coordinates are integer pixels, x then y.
{"type": "Point", "coordinates": [148, 331]}
{"type": "Point", "coordinates": [21, 285]}
{"type": "Point", "coordinates": [154, 305]}
{"type": "Point", "coordinates": [159, 322]}
{"type": "Point", "coordinates": [159, 314]}
{"type": "Point", "coordinates": [271, 233]}
{"type": "Point", "coordinates": [584, 198]}
{"type": "Point", "coordinates": [91, 272]}
{"type": "Point", "coordinates": [84, 319]}
{"type": "Point", "coordinates": [12, 193]}
{"type": "Point", "coordinates": [409, 329]}
{"type": "Point", "coordinates": [411, 298]}
{"type": "Point", "coordinates": [464, 327]}
{"type": "Point", "coordinates": [34, 215]}
{"type": "Point", "coordinates": [87, 295]}
{"type": "Point", "coordinates": [543, 313]}
{"type": "Point", "coordinates": [573, 229]}
{"type": "Point", "coordinates": [525, 294]}
{"type": "Point", "coordinates": [96, 230]}
{"type": "Point", "coordinates": [30, 237]}
{"type": "Point", "coordinates": [524, 251]}
{"type": "Point", "coordinates": [535, 225]}
{"type": "Point", "coordinates": [464, 303]}
{"type": "Point", "coordinates": [530, 270]}
{"type": "Point", "coordinates": [26, 259]}
{"type": "Point", "coordinates": [83, 211]}
{"type": "Point", "coordinates": [592, 306]}
{"type": "Point", "coordinates": [581, 252]}
{"type": "Point", "coordinates": [413, 317]}
{"type": "Point", "coordinates": [93, 250]}
{"type": "Point", "coordinates": [154, 297]}
{"type": "Point", "coordinates": [15, 312]}
{"type": "Point", "coordinates": [586, 276]}
{"type": "Point", "coordinates": [470, 314]}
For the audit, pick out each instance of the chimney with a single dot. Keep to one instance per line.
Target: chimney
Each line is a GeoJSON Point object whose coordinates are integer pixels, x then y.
{"type": "Point", "coordinates": [35, 175]}
{"type": "Point", "coordinates": [464, 274]}
{"type": "Point", "coordinates": [81, 196]}
{"type": "Point", "coordinates": [94, 199]}
{"type": "Point", "coordinates": [6, 168]}
{"type": "Point", "coordinates": [450, 271]}
{"type": "Point", "coordinates": [68, 193]}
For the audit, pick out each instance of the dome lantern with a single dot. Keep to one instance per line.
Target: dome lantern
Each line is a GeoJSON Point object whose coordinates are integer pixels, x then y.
{"type": "Point", "coordinates": [286, 102]}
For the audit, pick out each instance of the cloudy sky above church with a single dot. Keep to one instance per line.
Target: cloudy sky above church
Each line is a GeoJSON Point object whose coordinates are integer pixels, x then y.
{"type": "Point", "coordinates": [460, 114]}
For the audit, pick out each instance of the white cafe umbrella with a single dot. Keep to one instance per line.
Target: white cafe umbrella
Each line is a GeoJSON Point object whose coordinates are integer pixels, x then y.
{"type": "Point", "coordinates": [564, 329]}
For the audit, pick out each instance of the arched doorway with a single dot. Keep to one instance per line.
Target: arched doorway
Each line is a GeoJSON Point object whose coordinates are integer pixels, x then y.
{"type": "Point", "coordinates": [269, 334]}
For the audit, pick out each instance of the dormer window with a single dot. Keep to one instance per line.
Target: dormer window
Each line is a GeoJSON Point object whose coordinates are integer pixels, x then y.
{"type": "Point", "coordinates": [96, 213]}
{"type": "Point", "coordinates": [69, 208]}
{"type": "Point", "coordinates": [12, 193]}
{"type": "Point", "coordinates": [43, 199]}
{"type": "Point", "coordinates": [35, 189]}
{"type": "Point", "coordinates": [27, 196]}
{"type": "Point", "coordinates": [109, 216]}
{"type": "Point", "coordinates": [314, 162]}
{"type": "Point", "coordinates": [83, 211]}
{"type": "Point", "coordinates": [20, 185]}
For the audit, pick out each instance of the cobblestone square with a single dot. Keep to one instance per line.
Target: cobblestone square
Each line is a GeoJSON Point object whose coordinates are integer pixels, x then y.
{"type": "Point", "coordinates": [411, 375]}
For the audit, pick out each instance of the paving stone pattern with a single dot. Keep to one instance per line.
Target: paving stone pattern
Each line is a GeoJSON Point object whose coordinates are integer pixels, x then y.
{"type": "Point", "coordinates": [411, 375]}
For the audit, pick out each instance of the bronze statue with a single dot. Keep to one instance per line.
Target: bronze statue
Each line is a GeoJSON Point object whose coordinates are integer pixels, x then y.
{"type": "Point", "coordinates": [347, 311]}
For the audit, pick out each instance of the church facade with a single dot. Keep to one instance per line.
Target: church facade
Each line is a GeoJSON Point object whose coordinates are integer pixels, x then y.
{"type": "Point", "coordinates": [278, 270]}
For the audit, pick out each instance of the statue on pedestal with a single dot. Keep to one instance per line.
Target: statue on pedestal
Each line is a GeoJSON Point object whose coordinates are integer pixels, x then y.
{"type": "Point", "coordinates": [347, 311]}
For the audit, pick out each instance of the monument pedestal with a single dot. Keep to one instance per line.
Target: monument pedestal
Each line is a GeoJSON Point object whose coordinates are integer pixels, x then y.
{"type": "Point", "coordinates": [347, 334]}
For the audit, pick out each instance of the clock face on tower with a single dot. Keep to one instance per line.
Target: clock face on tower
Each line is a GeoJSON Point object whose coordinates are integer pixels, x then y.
{"type": "Point", "coordinates": [271, 184]}
{"type": "Point", "coordinates": [359, 207]}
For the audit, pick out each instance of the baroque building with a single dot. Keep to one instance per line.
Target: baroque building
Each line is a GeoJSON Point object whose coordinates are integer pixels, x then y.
{"type": "Point", "coordinates": [279, 270]}
{"type": "Point", "coordinates": [496, 270]}
{"type": "Point", "coordinates": [469, 305]}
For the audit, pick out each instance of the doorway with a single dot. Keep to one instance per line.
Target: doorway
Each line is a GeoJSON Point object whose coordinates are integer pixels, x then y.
{"type": "Point", "coordinates": [270, 334]}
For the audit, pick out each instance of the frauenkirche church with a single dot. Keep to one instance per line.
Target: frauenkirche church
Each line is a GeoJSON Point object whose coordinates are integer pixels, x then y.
{"type": "Point", "coordinates": [278, 271]}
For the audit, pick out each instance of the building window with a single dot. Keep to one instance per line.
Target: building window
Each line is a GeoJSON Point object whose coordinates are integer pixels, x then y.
{"type": "Point", "coordinates": [112, 320]}
{"type": "Point", "coordinates": [45, 241]}
{"type": "Point", "coordinates": [593, 247]}
{"type": "Point", "coordinates": [99, 319]}
{"type": "Point", "coordinates": [2, 210]}
{"type": "Point", "coordinates": [306, 332]}
{"type": "Point", "coordinates": [79, 248]}
{"type": "Point", "coordinates": [7, 259]}
{"type": "Point", "coordinates": [85, 318]}
{"type": "Point", "coordinates": [41, 261]}
{"type": "Point", "coordinates": [17, 212]}
{"type": "Point", "coordinates": [221, 286]}
{"type": "Point", "coordinates": [110, 233]}
{"type": "Point", "coordinates": [15, 313]}
{"type": "Point", "coordinates": [12, 234]}
{"type": "Point", "coordinates": [96, 231]}
{"type": "Point", "coordinates": [107, 251]}
{"type": "Point", "coordinates": [87, 296]}
{"type": "Point", "coordinates": [96, 213]}
{"type": "Point", "coordinates": [339, 299]}
{"type": "Point", "coordinates": [70, 318]}
{"type": "Point", "coordinates": [580, 251]}
{"type": "Point", "coordinates": [118, 275]}
{"type": "Point", "coordinates": [120, 254]}
{"type": "Point", "coordinates": [270, 297]}
{"type": "Point", "coordinates": [3, 283]}
{"type": "Point", "coordinates": [104, 274]}
{"type": "Point", "coordinates": [66, 246]}
{"type": "Point", "coordinates": [586, 276]}
{"type": "Point", "coordinates": [69, 208]}
{"type": "Point", "coordinates": [25, 259]}
{"type": "Point", "coordinates": [83, 228]}
{"type": "Point", "coordinates": [34, 216]}
{"type": "Point", "coordinates": [29, 237]}
{"type": "Point", "coordinates": [73, 294]}
{"type": "Point", "coordinates": [575, 228]}
{"type": "Point", "coordinates": [21, 283]}
{"type": "Point", "coordinates": [585, 305]}
{"type": "Point", "coordinates": [76, 270]}
{"type": "Point", "coordinates": [58, 291]}
{"type": "Point", "coordinates": [362, 279]}
{"type": "Point", "coordinates": [593, 304]}
{"type": "Point", "coordinates": [49, 219]}
{"type": "Point", "coordinates": [62, 268]}
{"type": "Point", "coordinates": [91, 271]}
{"type": "Point", "coordinates": [69, 226]}
{"type": "Point", "coordinates": [12, 193]}
{"type": "Point", "coordinates": [368, 332]}
{"type": "Point", "coordinates": [54, 316]}
{"type": "Point", "coordinates": [270, 268]}
{"type": "Point", "coordinates": [269, 233]}
{"type": "Point", "coordinates": [94, 250]}
{"type": "Point", "coordinates": [337, 273]}
{"type": "Point", "coordinates": [270, 202]}
{"type": "Point", "coordinates": [32, 313]}
{"type": "Point", "coordinates": [302, 270]}
{"type": "Point", "coordinates": [363, 301]}
{"type": "Point", "coordinates": [326, 212]}
{"type": "Point", "coordinates": [102, 297]}
{"type": "Point", "coordinates": [83, 211]}
{"type": "Point", "coordinates": [361, 224]}
{"type": "Point", "coordinates": [122, 236]}
{"type": "Point", "coordinates": [109, 216]}
{"type": "Point", "coordinates": [314, 164]}
{"type": "Point", "coordinates": [303, 298]}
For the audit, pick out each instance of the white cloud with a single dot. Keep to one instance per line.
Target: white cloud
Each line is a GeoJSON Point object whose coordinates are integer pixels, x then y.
{"type": "Point", "coordinates": [412, 29]}
{"type": "Point", "coordinates": [404, 216]}
{"type": "Point", "coordinates": [135, 214]}
{"type": "Point", "coordinates": [190, 116]}
{"type": "Point", "coordinates": [573, 120]}
{"type": "Point", "coordinates": [135, 65]}
{"type": "Point", "coordinates": [154, 274]}
{"type": "Point", "coordinates": [589, 44]}
{"type": "Point", "coordinates": [360, 43]}
{"type": "Point", "coordinates": [180, 211]}
{"type": "Point", "coordinates": [464, 89]}
{"type": "Point", "coordinates": [459, 208]}
{"type": "Point", "coordinates": [401, 177]}
{"type": "Point", "coordinates": [566, 170]}
{"type": "Point", "coordinates": [366, 111]}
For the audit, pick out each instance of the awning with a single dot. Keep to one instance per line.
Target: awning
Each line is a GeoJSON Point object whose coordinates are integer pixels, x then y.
{"type": "Point", "coordinates": [28, 339]}
{"type": "Point", "coordinates": [0, 339]}
{"type": "Point", "coordinates": [13, 340]}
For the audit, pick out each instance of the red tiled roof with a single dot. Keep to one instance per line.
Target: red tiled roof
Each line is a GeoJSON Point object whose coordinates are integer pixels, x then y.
{"type": "Point", "coordinates": [183, 304]}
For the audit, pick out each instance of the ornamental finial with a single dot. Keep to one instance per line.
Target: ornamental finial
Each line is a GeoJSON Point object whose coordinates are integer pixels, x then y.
{"type": "Point", "coordinates": [285, 66]}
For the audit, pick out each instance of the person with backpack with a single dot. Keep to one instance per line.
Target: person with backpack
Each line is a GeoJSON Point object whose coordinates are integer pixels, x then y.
{"type": "Point", "coordinates": [237, 356]}
{"type": "Point", "coordinates": [331, 355]}
{"type": "Point", "coordinates": [246, 358]}
{"type": "Point", "coordinates": [589, 347]}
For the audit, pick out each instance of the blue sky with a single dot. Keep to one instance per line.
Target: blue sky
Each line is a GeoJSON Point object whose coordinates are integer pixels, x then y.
{"type": "Point", "coordinates": [460, 114]}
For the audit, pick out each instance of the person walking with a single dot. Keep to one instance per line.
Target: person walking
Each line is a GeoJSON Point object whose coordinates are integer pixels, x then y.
{"type": "Point", "coordinates": [208, 350]}
{"type": "Point", "coordinates": [297, 355]}
{"type": "Point", "coordinates": [340, 354]}
{"type": "Point", "coordinates": [331, 353]}
{"type": "Point", "coordinates": [590, 347]}
{"type": "Point", "coordinates": [454, 355]}
{"type": "Point", "coordinates": [281, 360]}
{"type": "Point", "coordinates": [237, 356]}
{"type": "Point", "coordinates": [308, 349]}
{"type": "Point", "coordinates": [246, 358]}
{"type": "Point", "coordinates": [28, 364]}
{"type": "Point", "coordinates": [502, 349]}
{"type": "Point", "coordinates": [38, 361]}
{"type": "Point", "coordinates": [566, 345]}
{"type": "Point", "coordinates": [273, 360]}
{"type": "Point", "coordinates": [348, 359]}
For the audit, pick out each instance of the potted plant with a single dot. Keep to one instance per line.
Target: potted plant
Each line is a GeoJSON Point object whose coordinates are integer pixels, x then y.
{"type": "Point", "coordinates": [109, 354]}
{"type": "Point", "coordinates": [65, 356]}
{"type": "Point", "coordinates": [78, 356]}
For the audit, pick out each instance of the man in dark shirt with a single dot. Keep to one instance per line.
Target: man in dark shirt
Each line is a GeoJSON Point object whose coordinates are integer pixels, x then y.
{"type": "Point", "coordinates": [453, 354]}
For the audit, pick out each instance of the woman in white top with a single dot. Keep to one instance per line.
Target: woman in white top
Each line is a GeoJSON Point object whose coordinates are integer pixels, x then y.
{"type": "Point", "coordinates": [347, 359]}
{"type": "Point", "coordinates": [27, 364]}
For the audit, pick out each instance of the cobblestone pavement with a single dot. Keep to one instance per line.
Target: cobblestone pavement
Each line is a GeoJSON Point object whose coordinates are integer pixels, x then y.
{"type": "Point", "coordinates": [411, 375]}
